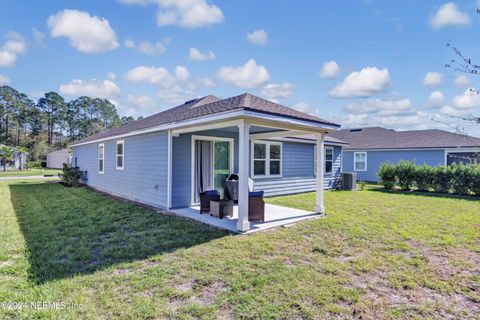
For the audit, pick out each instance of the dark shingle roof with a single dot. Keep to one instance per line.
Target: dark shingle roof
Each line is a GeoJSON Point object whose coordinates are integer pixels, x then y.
{"type": "Point", "coordinates": [207, 106]}
{"type": "Point", "coordinates": [382, 138]}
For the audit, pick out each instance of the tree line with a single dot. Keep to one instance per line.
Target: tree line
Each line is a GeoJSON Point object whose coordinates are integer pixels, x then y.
{"type": "Point", "coordinates": [52, 123]}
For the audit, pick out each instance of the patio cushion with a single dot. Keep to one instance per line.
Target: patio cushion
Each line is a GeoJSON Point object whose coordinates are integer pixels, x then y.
{"type": "Point", "coordinates": [256, 194]}
{"type": "Point", "coordinates": [211, 192]}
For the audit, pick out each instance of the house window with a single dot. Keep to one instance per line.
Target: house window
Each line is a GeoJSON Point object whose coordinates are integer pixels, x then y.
{"type": "Point", "coordinates": [328, 160]}
{"type": "Point", "coordinates": [267, 159]}
{"type": "Point", "coordinates": [101, 155]}
{"type": "Point", "coordinates": [120, 153]}
{"type": "Point", "coordinates": [360, 161]}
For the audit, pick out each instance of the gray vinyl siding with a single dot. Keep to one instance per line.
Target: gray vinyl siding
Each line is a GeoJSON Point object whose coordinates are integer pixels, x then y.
{"type": "Point", "coordinates": [297, 159]}
{"type": "Point", "coordinates": [144, 177]}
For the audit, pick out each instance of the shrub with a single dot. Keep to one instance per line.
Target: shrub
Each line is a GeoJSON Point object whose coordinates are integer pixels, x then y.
{"type": "Point", "coordinates": [387, 175]}
{"type": "Point", "coordinates": [474, 181]}
{"type": "Point", "coordinates": [361, 185]}
{"type": "Point", "coordinates": [33, 164]}
{"type": "Point", "coordinates": [72, 176]}
{"type": "Point", "coordinates": [442, 178]}
{"type": "Point", "coordinates": [461, 176]}
{"type": "Point", "coordinates": [405, 171]}
{"type": "Point", "coordinates": [424, 175]}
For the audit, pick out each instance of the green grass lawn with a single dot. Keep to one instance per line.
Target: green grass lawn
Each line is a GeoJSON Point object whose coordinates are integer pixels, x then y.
{"type": "Point", "coordinates": [376, 255]}
{"type": "Point", "coordinates": [29, 172]}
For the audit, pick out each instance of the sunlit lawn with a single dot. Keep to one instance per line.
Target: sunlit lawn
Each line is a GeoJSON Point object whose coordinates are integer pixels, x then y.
{"type": "Point", "coordinates": [376, 255]}
{"type": "Point", "coordinates": [29, 172]}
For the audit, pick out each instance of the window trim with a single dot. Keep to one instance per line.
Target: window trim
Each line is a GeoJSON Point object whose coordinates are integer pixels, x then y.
{"type": "Point", "coordinates": [355, 162]}
{"type": "Point", "coordinates": [103, 158]}
{"type": "Point", "coordinates": [120, 155]}
{"type": "Point", "coordinates": [267, 159]}
{"type": "Point", "coordinates": [325, 160]}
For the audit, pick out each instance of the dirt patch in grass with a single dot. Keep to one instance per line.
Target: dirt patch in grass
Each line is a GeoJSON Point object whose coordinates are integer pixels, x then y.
{"type": "Point", "coordinates": [193, 292]}
{"type": "Point", "coordinates": [209, 293]}
{"type": "Point", "coordinates": [381, 299]}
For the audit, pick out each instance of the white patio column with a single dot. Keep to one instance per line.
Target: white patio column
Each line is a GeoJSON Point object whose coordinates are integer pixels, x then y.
{"type": "Point", "coordinates": [319, 207]}
{"type": "Point", "coordinates": [243, 163]}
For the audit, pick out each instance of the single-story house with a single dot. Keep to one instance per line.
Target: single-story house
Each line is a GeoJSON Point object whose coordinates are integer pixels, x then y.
{"type": "Point", "coordinates": [56, 159]}
{"type": "Point", "coordinates": [369, 147]}
{"type": "Point", "coordinates": [19, 160]}
{"type": "Point", "coordinates": [167, 159]}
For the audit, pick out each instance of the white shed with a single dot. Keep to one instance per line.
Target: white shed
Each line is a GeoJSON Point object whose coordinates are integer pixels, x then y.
{"type": "Point", "coordinates": [56, 159]}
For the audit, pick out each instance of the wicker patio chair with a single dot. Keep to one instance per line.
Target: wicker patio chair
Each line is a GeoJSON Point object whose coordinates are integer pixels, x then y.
{"type": "Point", "coordinates": [256, 206]}
{"type": "Point", "coordinates": [206, 197]}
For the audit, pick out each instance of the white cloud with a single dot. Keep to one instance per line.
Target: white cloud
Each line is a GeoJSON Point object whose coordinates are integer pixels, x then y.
{"type": "Point", "coordinates": [249, 75]}
{"type": "Point", "coordinates": [395, 113]}
{"type": "Point", "coordinates": [461, 81]}
{"type": "Point", "coordinates": [306, 108]}
{"type": "Point", "coordinates": [432, 79]}
{"type": "Point", "coordinates": [195, 54]}
{"type": "Point", "coordinates": [129, 43]}
{"type": "Point", "coordinates": [468, 100]}
{"type": "Point", "coordinates": [92, 88]}
{"type": "Point", "coordinates": [188, 13]}
{"type": "Point", "coordinates": [364, 83]}
{"type": "Point", "coordinates": [140, 101]}
{"type": "Point", "coordinates": [175, 95]}
{"type": "Point", "coordinates": [140, 106]}
{"type": "Point", "coordinates": [274, 91]}
{"type": "Point", "coordinates": [449, 15]}
{"type": "Point", "coordinates": [206, 83]}
{"type": "Point", "coordinates": [14, 45]}
{"type": "Point", "coordinates": [146, 47]}
{"type": "Point", "coordinates": [152, 75]}
{"type": "Point", "coordinates": [258, 37]}
{"type": "Point", "coordinates": [111, 76]}
{"type": "Point", "coordinates": [354, 120]}
{"type": "Point", "coordinates": [436, 99]}
{"type": "Point", "coordinates": [88, 34]}
{"type": "Point", "coordinates": [330, 70]}
{"type": "Point", "coordinates": [381, 107]}
{"type": "Point", "coordinates": [149, 48]}
{"type": "Point", "coordinates": [182, 73]}
{"type": "Point", "coordinates": [39, 37]}
{"type": "Point", "coordinates": [184, 13]}
{"type": "Point", "coordinates": [4, 80]}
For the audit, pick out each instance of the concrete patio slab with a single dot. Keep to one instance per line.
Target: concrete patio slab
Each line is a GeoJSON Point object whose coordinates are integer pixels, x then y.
{"type": "Point", "coordinates": [275, 216]}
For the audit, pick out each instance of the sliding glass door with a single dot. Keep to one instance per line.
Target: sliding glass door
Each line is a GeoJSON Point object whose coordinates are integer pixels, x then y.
{"type": "Point", "coordinates": [221, 164]}
{"type": "Point", "coordinates": [212, 164]}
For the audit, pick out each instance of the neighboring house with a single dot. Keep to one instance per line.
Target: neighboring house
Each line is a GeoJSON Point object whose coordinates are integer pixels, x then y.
{"type": "Point", "coordinates": [168, 158]}
{"type": "Point", "coordinates": [20, 159]}
{"type": "Point", "coordinates": [369, 147]}
{"type": "Point", "coordinates": [56, 159]}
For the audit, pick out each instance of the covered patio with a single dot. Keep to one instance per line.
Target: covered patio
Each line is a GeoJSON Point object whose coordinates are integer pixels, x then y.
{"type": "Point", "coordinates": [237, 134]}
{"type": "Point", "coordinates": [242, 132]}
{"type": "Point", "coordinates": [275, 216]}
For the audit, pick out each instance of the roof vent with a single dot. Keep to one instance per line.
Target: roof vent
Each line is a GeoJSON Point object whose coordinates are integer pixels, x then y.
{"type": "Point", "coordinates": [355, 130]}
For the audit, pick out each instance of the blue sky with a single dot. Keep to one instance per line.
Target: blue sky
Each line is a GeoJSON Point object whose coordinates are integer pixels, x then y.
{"type": "Point", "coordinates": [360, 63]}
